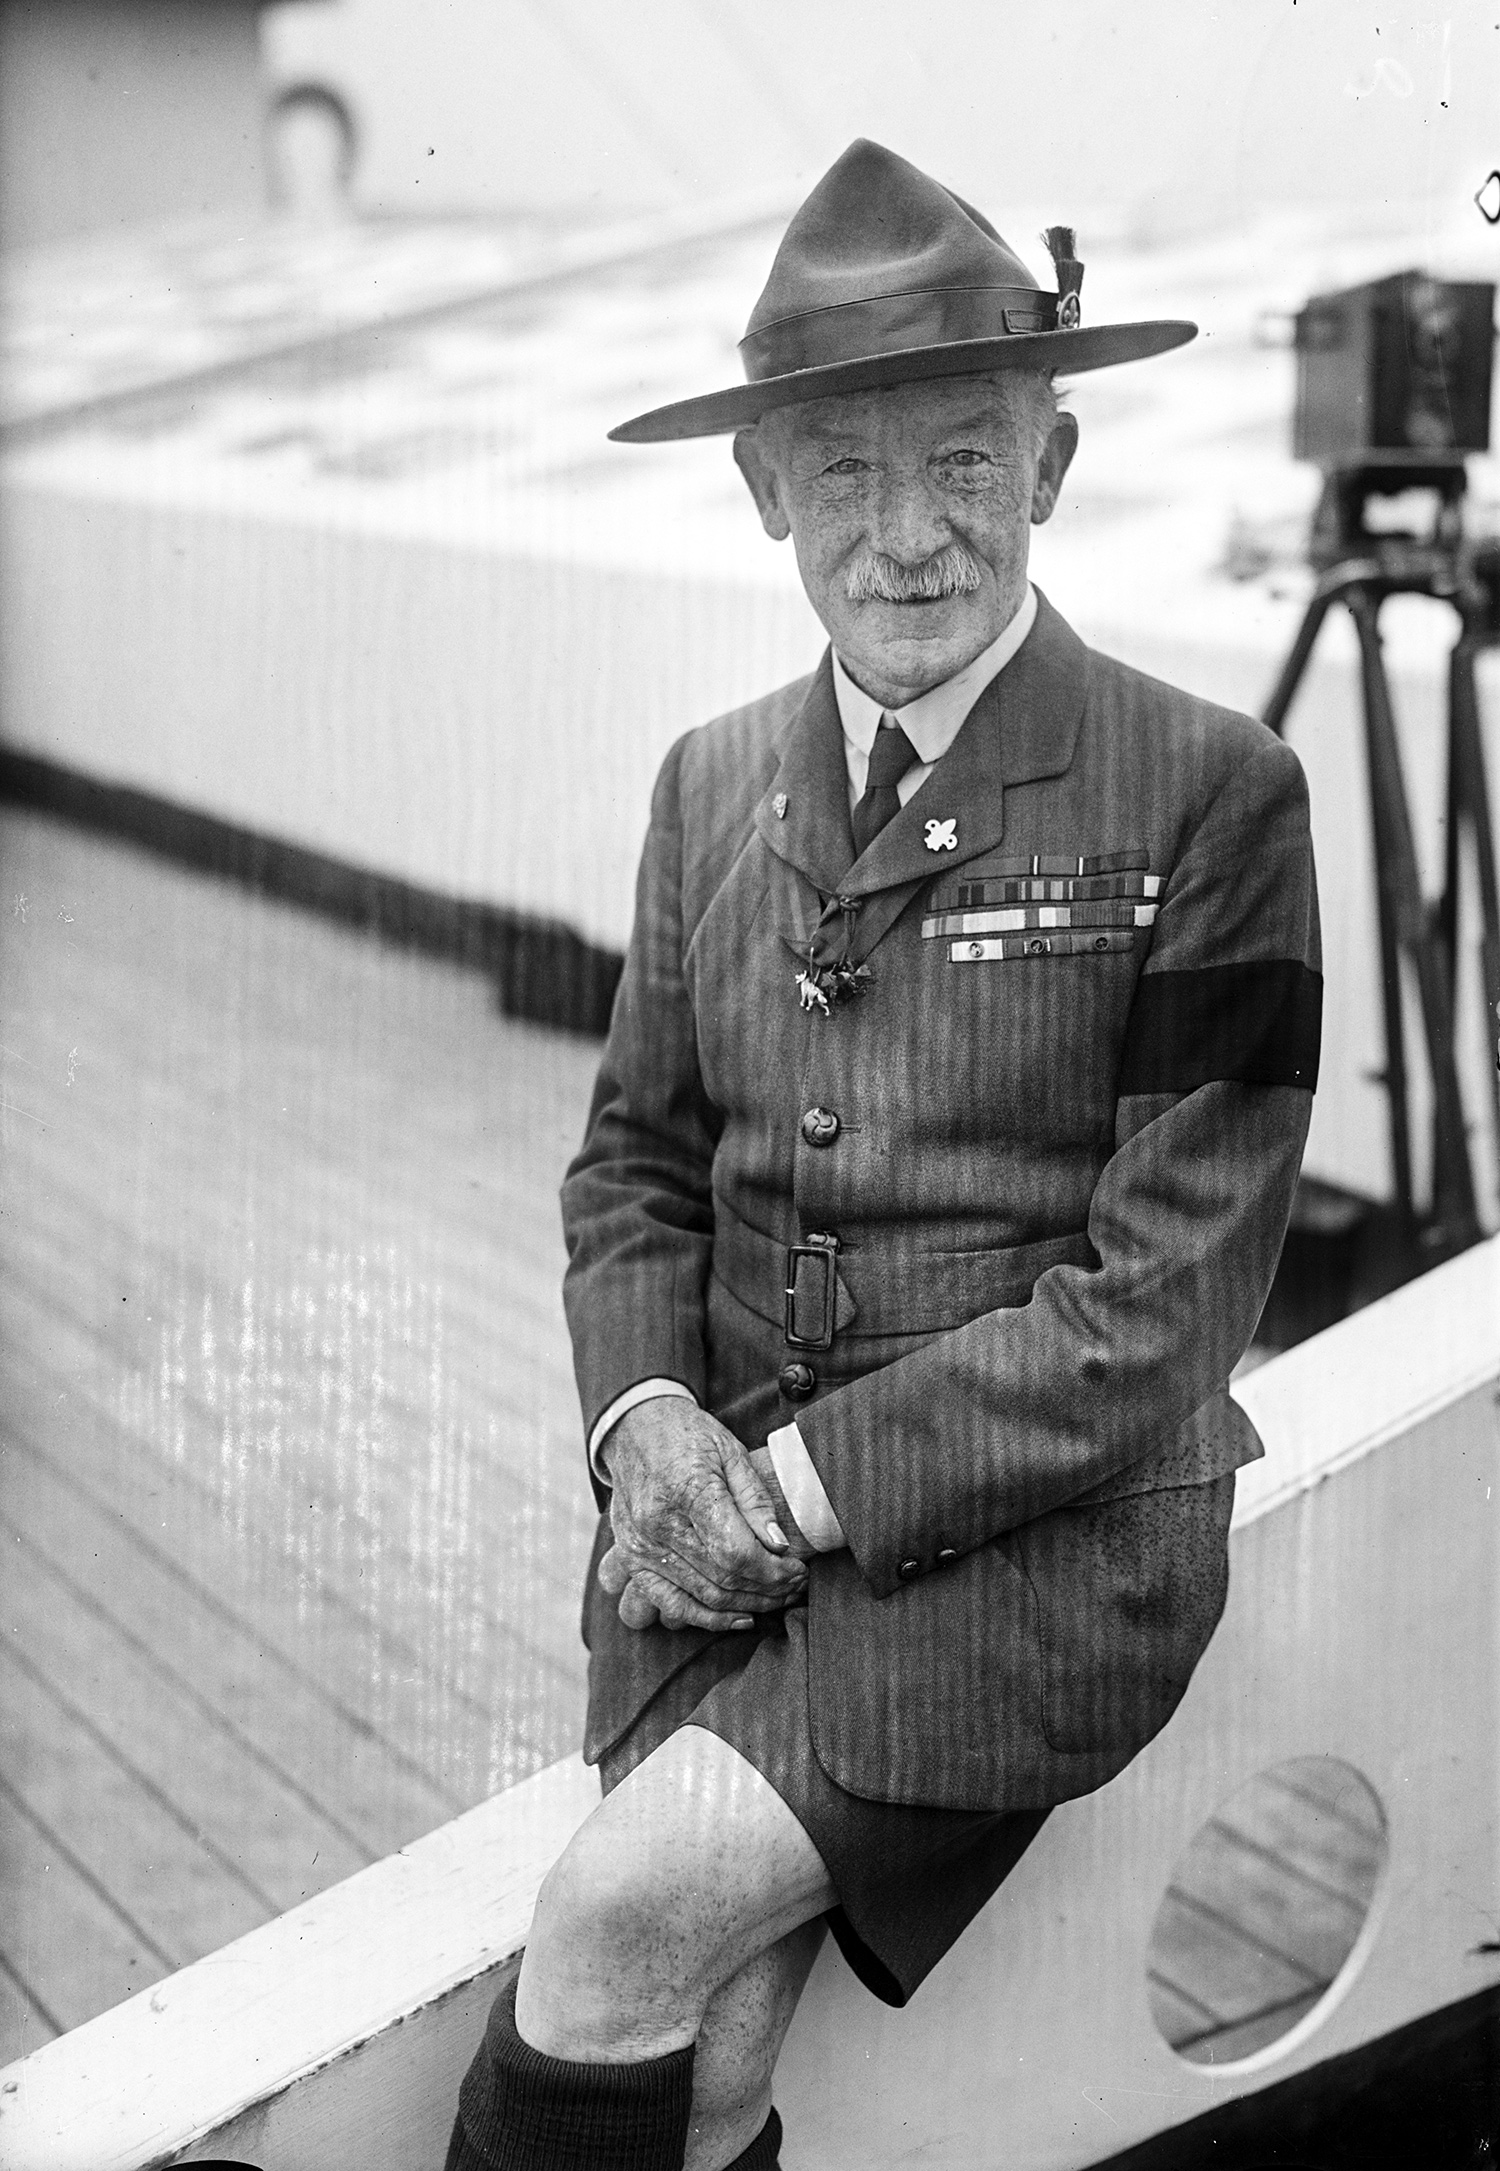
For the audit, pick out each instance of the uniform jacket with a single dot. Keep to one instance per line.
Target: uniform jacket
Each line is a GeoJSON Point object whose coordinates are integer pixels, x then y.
{"type": "Point", "coordinates": [1071, 1102]}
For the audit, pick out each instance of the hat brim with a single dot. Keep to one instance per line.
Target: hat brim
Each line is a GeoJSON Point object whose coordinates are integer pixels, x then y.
{"type": "Point", "coordinates": [1095, 346]}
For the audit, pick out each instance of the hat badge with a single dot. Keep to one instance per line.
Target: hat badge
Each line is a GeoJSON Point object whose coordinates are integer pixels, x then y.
{"type": "Point", "coordinates": [1062, 247]}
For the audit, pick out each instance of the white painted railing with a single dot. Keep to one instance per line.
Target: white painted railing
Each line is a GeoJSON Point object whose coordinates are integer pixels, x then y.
{"type": "Point", "coordinates": [1361, 1623]}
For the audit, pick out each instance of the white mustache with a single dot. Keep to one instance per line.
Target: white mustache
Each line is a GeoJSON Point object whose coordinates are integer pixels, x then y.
{"type": "Point", "coordinates": [951, 571]}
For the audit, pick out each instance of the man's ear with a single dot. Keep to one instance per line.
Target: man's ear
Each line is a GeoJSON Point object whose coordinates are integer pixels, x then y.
{"type": "Point", "coordinates": [1057, 457]}
{"type": "Point", "coordinates": [764, 484]}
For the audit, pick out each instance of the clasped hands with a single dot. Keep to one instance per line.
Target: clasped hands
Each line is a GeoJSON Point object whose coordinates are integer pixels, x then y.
{"type": "Point", "coordinates": [702, 1534]}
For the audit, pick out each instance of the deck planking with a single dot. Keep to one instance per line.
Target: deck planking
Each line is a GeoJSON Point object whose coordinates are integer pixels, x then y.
{"type": "Point", "coordinates": [140, 1712]}
{"type": "Point", "coordinates": [233, 1671]}
{"type": "Point", "coordinates": [291, 1490]}
{"type": "Point", "coordinates": [414, 1693]}
{"type": "Point", "coordinates": [270, 1497]}
{"type": "Point", "coordinates": [121, 1824]}
{"type": "Point", "coordinates": [73, 1947]}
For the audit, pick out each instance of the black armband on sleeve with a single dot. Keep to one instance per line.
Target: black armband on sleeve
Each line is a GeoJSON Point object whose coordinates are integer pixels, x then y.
{"type": "Point", "coordinates": [1256, 1024]}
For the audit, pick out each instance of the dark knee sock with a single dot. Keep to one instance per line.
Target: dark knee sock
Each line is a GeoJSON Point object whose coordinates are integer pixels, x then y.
{"type": "Point", "coordinates": [764, 2152]}
{"type": "Point", "coordinates": [519, 2110]}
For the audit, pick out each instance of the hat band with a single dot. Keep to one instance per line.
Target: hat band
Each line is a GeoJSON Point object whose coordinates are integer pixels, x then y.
{"type": "Point", "coordinates": [891, 323]}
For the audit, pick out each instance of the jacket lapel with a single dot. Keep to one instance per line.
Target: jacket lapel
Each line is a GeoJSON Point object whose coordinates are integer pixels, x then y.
{"type": "Point", "coordinates": [811, 788]}
{"type": "Point", "coordinates": [810, 836]}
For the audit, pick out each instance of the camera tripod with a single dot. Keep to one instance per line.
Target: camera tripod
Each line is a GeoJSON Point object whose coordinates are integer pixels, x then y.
{"type": "Point", "coordinates": [1360, 569]}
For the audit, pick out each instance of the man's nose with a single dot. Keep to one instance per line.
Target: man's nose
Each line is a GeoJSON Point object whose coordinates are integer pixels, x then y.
{"type": "Point", "coordinates": [908, 523]}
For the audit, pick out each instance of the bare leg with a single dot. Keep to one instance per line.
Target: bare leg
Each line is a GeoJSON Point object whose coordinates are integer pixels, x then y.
{"type": "Point", "coordinates": [680, 1884]}
{"type": "Point", "coordinates": [739, 2042]}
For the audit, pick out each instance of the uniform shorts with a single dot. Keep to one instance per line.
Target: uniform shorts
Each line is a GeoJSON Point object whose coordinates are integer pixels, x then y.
{"type": "Point", "coordinates": [909, 1880]}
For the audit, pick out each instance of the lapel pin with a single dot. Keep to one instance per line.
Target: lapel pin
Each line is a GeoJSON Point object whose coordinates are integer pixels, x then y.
{"type": "Point", "coordinates": [778, 806]}
{"type": "Point", "coordinates": [942, 836]}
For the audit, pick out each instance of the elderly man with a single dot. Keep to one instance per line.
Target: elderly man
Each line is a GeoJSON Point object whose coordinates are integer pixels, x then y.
{"type": "Point", "coordinates": [936, 1174]}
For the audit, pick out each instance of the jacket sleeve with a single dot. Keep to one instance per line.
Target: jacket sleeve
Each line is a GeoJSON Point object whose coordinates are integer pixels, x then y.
{"type": "Point", "coordinates": [995, 1422]}
{"type": "Point", "coordinates": [637, 1201]}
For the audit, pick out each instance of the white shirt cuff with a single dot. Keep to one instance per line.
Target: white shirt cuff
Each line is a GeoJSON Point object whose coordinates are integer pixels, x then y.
{"type": "Point", "coordinates": [644, 1390]}
{"type": "Point", "coordinates": [812, 1510]}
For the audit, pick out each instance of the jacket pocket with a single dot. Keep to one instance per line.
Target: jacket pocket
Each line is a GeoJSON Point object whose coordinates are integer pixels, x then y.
{"type": "Point", "coordinates": [931, 1697]}
{"type": "Point", "coordinates": [1128, 1593]}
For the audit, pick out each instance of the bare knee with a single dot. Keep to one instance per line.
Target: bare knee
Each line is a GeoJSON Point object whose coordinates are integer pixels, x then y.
{"type": "Point", "coordinates": [610, 1936]}
{"type": "Point", "coordinates": [598, 1900]}
{"type": "Point", "coordinates": [683, 1875]}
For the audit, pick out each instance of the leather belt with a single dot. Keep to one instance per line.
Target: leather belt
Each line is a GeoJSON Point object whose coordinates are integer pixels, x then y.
{"type": "Point", "coordinates": [820, 1286]}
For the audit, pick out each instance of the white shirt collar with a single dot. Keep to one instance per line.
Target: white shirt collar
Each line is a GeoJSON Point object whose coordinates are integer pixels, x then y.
{"type": "Point", "coordinates": [932, 722]}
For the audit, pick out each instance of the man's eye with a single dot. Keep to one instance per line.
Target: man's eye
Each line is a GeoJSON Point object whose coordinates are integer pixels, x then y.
{"type": "Point", "coordinates": [966, 456]}
{"type": "Point", "coordinates": [847, 466]}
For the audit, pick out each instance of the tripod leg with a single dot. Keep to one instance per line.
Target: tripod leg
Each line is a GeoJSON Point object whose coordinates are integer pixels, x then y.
{"type": "Point", "coordinates": [1296, 662]}
{"type": "Point", "coordinates": [1469, 796]}
{"type": "Point", "coordinates": [1447, 914]}
{"type": "Point", "coordinates": [1455, 1222]}
{"type": "Point", "coordinates": [1398, 1099]}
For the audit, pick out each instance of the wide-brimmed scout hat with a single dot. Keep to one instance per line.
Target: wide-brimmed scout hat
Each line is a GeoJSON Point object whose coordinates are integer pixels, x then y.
{"type": "Point", "coordinates": [885, 276]}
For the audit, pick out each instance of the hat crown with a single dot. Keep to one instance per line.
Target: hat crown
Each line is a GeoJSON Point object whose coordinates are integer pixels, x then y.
{"type": "Point", "coordinates": [876, 225]}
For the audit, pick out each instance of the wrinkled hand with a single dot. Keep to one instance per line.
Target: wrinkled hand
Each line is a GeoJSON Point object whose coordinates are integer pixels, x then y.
{"type": "Point", "coordinates": [697, 1544]}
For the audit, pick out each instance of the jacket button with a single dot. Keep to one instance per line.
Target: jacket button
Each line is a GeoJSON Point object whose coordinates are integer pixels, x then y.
{"type": "Point", "coordinates": [796, 1381]}
{"type": "Point", "coordinates": [820, 1126]}
{"type": "Point", "coordinates": [908, 1569]}
{"type": "Point", "coordinates": [947, 1556]}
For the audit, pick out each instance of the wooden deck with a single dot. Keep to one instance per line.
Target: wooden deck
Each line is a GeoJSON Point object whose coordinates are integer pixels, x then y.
{"type": "Point", "coordinates": [292, 1494]}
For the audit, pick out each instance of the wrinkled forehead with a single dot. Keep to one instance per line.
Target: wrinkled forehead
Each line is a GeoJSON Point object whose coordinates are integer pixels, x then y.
{"type": "Point", "coordinates": [1002, 403]}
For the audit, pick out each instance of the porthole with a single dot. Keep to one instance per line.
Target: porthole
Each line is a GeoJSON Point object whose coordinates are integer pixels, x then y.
{"type": "Point", "coordinates": [1264, 1908]}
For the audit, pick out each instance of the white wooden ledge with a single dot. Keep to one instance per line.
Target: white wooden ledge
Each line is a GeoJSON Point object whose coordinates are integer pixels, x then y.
{"type": "Point", "coordinates": [1361, 1623]}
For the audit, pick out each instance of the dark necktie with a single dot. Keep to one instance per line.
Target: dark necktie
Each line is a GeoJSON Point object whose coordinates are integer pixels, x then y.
{"type": "Point", "coordinates": [890, 758]}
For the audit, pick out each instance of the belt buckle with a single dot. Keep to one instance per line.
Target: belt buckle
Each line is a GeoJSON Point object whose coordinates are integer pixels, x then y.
{"type": "Point", "coordinates": [819, 1302]}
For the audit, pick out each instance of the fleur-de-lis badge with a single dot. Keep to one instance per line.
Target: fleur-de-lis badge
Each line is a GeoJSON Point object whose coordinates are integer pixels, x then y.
{"type": "Point", "coordinates": [778, 806]}
{"type": "Point", "coordinates": [942, 836]}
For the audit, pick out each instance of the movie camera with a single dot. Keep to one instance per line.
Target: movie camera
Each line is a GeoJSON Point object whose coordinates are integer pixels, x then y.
{"type": "Point", "coordinates": [1394, 382]}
